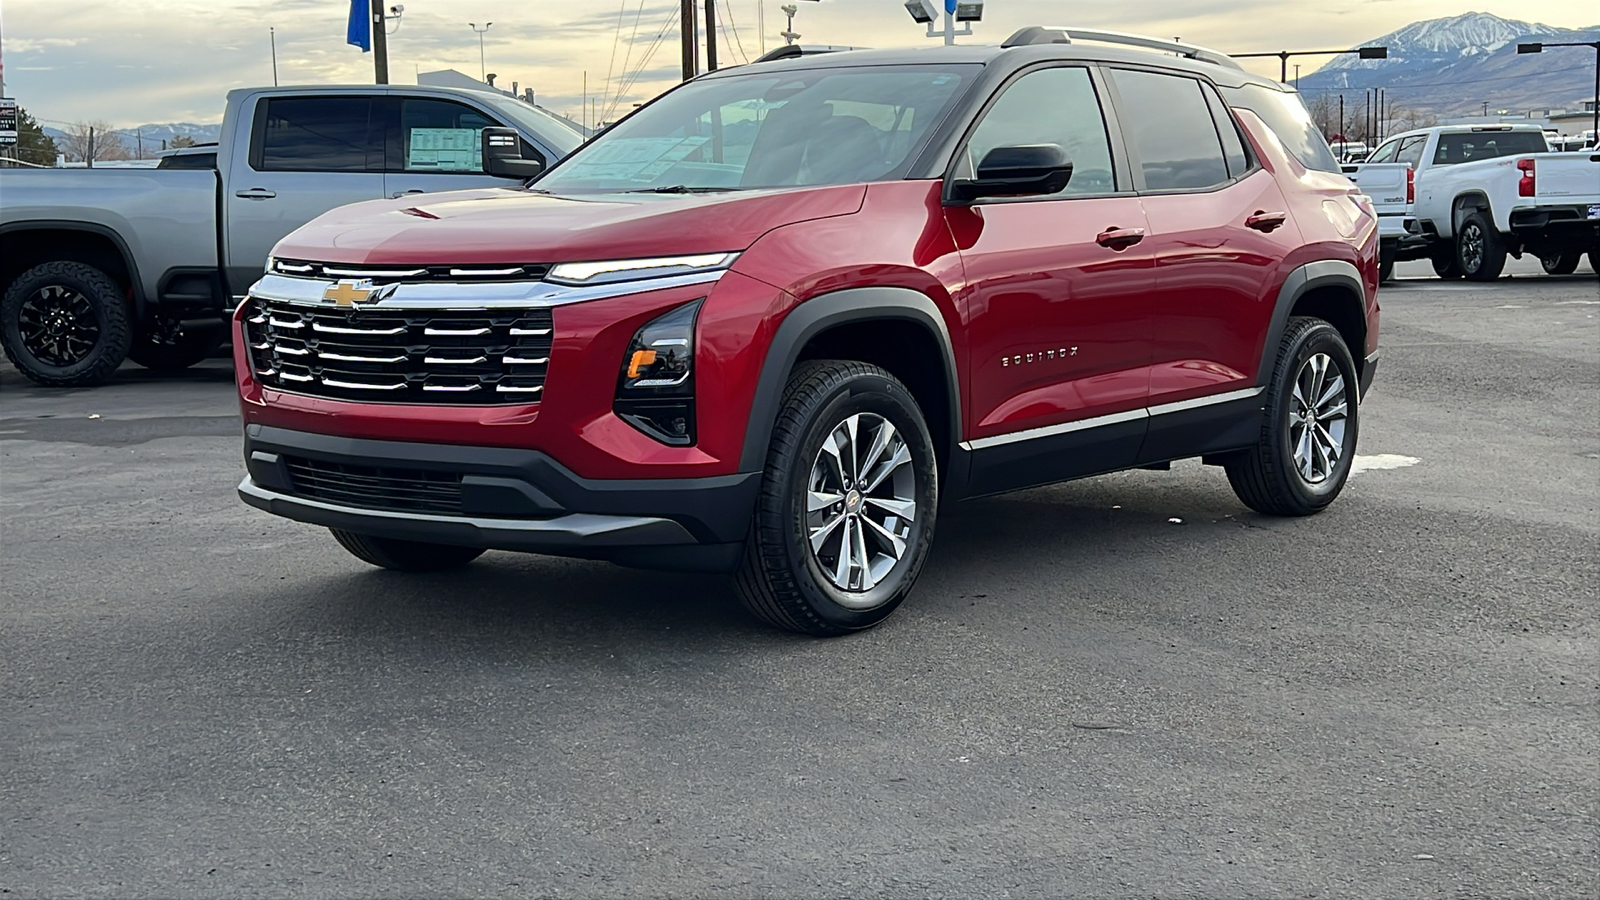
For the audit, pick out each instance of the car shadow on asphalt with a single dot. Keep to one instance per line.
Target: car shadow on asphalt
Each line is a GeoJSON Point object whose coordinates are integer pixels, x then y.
{"type": "Point", "coordinates": [511, 600]}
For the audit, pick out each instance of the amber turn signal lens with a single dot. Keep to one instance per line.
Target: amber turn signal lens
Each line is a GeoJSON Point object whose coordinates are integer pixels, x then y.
{"type": "Point", "coordinates": [640, 358]}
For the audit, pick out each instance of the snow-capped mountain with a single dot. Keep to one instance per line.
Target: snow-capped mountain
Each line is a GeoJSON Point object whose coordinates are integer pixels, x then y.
{"type": "Point", "coordinates": [1440, 40]}
{"type": "Point", "coordinates": [1462, 64]}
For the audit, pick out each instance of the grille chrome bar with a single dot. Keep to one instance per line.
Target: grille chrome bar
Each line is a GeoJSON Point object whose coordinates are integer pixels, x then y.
{"type": "Point", "coordinates": [345, 357]}
{"type": "Point", "coordinates": [530, 332]}
{"type": "Point", "coordinates": [515, 389]}
{"type": "Point", "coordinates": [284, 323]}
{"type": "Point", "coordinates": [340, 329]}
{"type": "Point", "coordinates": [370, 273]}
{"type": "Point", "coordinates": [358, 386]}
{"type": "Point", "coordinates": [442, 361]}
{"type": "Point", "coordinates": [519, 361]}
{"type": "Point", "coordinates": [453, 388]}
{"type": "Point", "coordinates": [454, 332]}
{"type": "Point", "coordinates": [292, 376]}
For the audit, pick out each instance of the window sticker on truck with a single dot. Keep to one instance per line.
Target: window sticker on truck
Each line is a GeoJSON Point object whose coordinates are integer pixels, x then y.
{"type": "Point", "coordinates": [444, 150]}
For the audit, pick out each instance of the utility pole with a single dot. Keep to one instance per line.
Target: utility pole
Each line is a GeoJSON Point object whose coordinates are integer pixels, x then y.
{"type": "Point", "coordinates": [89, 157]}
{"type": "Point", "coordinates": [711, 35]}
{"type": "Point", "coordinates": [380, 44]}
{"type": "Point", "coordinates": [686, 33]}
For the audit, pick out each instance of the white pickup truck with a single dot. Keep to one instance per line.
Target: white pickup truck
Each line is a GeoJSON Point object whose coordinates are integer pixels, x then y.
{"type": "Point", "coordinates": [1483, 192]}
{"type": "Point", "coordinates": [101, 264]}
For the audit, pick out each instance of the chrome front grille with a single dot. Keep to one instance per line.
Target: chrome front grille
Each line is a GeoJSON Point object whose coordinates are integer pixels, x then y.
{"type": "Point", "coordinates": [465, 357]}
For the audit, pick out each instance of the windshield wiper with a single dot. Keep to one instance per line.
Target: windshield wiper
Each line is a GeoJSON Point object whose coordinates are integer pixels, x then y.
{"type": "Point", "coordinates": [680, 189]}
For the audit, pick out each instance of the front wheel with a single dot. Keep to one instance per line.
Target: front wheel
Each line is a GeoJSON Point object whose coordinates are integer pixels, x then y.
{"type": "Point", "coordinates": [1480, 251]}
{"type": "Point", "coordinates": [846, 510]}
{"type": "Point", "coordinates": [1308, 427]}
{"type": "Point", "coordinates": [404, 556]}
{"type": "Point", "coordinates": [1445, 265]}
{"type": "Point", "coordinates": [1560, 264]}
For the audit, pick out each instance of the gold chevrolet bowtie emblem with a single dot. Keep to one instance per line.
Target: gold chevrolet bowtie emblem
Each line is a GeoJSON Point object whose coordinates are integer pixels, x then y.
{"type": "Point", "coordinates": [346, 293]}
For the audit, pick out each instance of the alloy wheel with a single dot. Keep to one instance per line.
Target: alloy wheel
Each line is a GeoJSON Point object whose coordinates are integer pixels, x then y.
{"type": "Point", "coordinates": [58, 326]}
{"type": "Point", "coordinates": [1471, 247]}
{"type": "Point", "coordinates": [1317, 418]}
{"type": "Point", "coordinates": [860, 504]}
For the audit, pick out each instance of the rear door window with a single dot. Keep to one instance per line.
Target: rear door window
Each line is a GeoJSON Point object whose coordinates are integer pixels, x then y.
{"type": "Point", "coordinates": [1168, 124]}
{"type": "Point", "coordinates": [1385, 153]}
{"type": "Point", "coordinates": [1051, 106]}
{"type": "Point", "coordinates": [1410, 151]}
{"type": "Point", "coordinates": [318, 134]}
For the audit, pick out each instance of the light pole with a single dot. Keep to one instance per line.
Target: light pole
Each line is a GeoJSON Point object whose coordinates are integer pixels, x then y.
{"type": "Point", "coordinates": [483, 70]}
{"type": "Point", "coordinates": [1283, 56]}
{"type": "Point", "coordinates": [927, 12]}
{"type": "Point", "coordinates": [1539, 48]}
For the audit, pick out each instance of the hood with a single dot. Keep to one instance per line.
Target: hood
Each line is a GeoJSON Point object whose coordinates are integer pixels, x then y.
{"type": "Point", "coordinates": [501, 226]}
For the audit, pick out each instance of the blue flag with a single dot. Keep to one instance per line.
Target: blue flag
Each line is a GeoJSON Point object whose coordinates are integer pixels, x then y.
{"type": "Point", "coordinates": [359, 31]}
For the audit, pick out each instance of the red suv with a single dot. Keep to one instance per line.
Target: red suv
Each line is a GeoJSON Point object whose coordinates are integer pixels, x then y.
{"type": "Point", "coordinates": [769, 323]}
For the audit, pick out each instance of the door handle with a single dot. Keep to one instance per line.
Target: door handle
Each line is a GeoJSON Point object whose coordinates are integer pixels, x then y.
{"type": "Point", "coordinates": [1119, 238]}
{"type": "Point", "coordinates": [398, 194]}
{"type": "Point", "coordinates": [256, 194]}
{"type": "Point", "coordinates": [1266, 221]}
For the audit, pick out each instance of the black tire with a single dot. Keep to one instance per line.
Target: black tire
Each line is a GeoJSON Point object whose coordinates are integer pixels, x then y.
{"type": "Point", "coordinates": [1445, 265]}
{"type": "Point", "coordinates": [1385, 271]}
{"type": "Point", "coordinates": [1268, 477]}
{"type": "Point", "coordinates": [405, 556]}
{"type": "Point", "coordinates": [782, 579]}
{"type": "Point", "coordinates": [167, 346]}
{"type": "Point", "coordinates": [1561, 264]}
{"type": "Point", "coordinates": [1480, 250]}
{"type": "Point", "coordinates": [65, 324]}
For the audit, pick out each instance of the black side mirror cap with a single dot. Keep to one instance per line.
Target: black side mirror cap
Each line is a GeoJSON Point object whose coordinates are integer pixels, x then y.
{"type": "Point", "coordinates": [502, 155]}
{"type": "Point", "coordinates": [1016, 171]}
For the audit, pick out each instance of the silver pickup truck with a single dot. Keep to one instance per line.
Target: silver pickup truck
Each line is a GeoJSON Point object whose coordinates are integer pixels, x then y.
{"type": "Point", "coordinates": [98, 265]}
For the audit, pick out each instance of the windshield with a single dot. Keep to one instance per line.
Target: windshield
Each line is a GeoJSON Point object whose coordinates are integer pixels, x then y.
{"type": "Point", "coordinates": [762, 130]}
{"type": "Point", "coordinates": [555, 134]}
{"type": "Point", "coordinates": [1466, 147]}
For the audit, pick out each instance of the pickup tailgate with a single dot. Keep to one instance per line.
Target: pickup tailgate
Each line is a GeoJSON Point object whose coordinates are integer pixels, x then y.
{"type": "Point", "coordinates": [1385, 183]}
{"type": "Point", "coordinates": [1568, 177]}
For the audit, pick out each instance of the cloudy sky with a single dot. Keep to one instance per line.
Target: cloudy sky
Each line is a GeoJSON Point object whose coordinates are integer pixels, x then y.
{"type": "Point", "coordinates": [131, 62]}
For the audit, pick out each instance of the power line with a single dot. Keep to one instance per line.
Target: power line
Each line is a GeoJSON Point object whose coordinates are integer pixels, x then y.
{"type": "Point", "coordinates": [727, 6]}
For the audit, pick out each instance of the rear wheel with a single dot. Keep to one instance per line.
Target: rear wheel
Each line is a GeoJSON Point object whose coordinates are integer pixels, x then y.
{"type": "Point", "coordinates": [1560, 264]}
{"type": "Point", "coordinates": [1308, 428]}
{"type": "Point", "coordinates": [1480, 251]}
{"type": "Point", "coordinates": [65, 324]}
{"type": "Point", "coordinates": [404, 556]}
{"type": "Point", "coordinates": [846, 511]}
{"type": "Point", "coordinates": [168, 346]}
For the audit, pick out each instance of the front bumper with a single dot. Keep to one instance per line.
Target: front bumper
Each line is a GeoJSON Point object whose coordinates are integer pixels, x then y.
{"type": "Point", "coordinates": [497, 498]}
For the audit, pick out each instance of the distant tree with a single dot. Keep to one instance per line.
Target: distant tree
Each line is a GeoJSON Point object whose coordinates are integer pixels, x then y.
{"type": "Point", "coordinates": [33, 145]}
{"type": "Point", "coordinates": [182, 140]}
{"type": "Point", "coordinates": [108, 143]}
{"type": "Point", "coordinates": [1405, 118]}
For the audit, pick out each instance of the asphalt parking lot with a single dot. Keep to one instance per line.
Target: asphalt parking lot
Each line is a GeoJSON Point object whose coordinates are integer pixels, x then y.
{"type": "Point", "coordinates": [1126, 686]}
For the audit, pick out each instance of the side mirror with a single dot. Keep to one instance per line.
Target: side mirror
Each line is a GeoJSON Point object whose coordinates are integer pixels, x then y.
{"type": "Point", "coordinates": [1017, 171]}
{"type": "Point", "coordinates": [502, 155]}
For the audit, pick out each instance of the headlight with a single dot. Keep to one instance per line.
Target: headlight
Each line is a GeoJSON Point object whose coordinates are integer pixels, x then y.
{"type": "Point", "coordinates": [584, 273]}
{"type": "Point", "coordinates": [655, 390]}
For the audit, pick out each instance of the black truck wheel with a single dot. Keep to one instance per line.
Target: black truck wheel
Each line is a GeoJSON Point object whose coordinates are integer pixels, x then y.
{"type": "Point", "coordinates": [1480, 250]}
{"type": "Point", "coordinates": [1561, 263]}
{"type": "Point", "coordinates": [846, 510]}
{"type": "Point", "coordinates": [167, 345]}
{"type": "Point", "coordinates": [1308, 427]}
{"type": "Point", "coordinates": [65, 324]}
{"type": "Point", "coordinates": [404, 556]}
{"type": "Point", "coordinates": [1444, 263]}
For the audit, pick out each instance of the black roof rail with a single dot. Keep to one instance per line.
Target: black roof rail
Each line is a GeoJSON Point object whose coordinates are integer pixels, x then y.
{"type": "Point", "coordinates": [1057, 34]}
{"type": "Point", "coordinates": [795, 51]}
